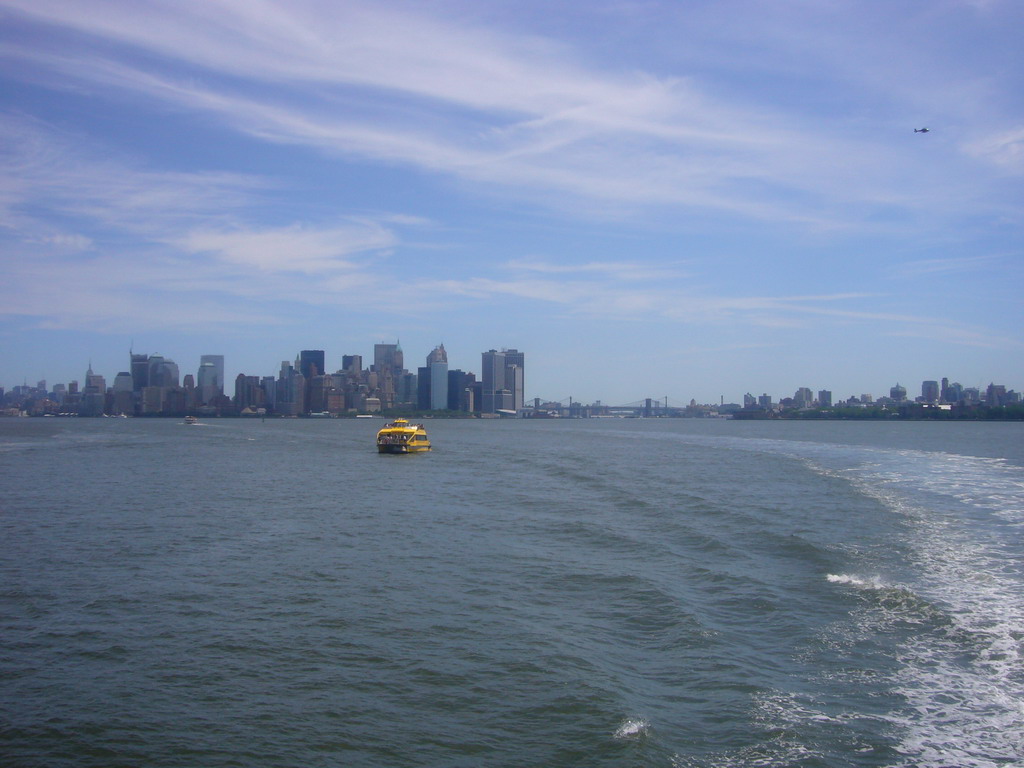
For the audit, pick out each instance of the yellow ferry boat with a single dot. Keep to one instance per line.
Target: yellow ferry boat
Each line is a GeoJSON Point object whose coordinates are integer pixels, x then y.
{"type": "Point", "coordinates": [399, 436]}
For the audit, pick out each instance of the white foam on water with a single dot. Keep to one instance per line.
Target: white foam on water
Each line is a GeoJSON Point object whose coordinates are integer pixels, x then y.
{"type": "Point", "coordinates": [783, 715]}
{"type": "Point", "coordinates": [769, 756]}
{"type": "Point", "coordinates": [856, 581]}
{"type": "Point", "coordinates": [960, 553]}
{"type": "Point", "coordinates": [632, 728]}
{"type": "Point", "coordinates": [962, 683]}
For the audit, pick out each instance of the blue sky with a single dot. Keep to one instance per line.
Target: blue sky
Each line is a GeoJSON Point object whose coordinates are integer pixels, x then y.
{"type": "Point", "coordinates": [649, 199]}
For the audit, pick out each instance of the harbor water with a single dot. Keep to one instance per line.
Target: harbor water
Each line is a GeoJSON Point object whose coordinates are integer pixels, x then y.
{"type": "Point", "coordinates": [677, 593]}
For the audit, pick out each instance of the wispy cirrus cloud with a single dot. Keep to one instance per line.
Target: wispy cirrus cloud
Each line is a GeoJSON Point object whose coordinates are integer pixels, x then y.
{"type": "Point", "coordinates": [946, 266]}
{"type": "Point", "coordinates": [203, 239]}
{"type": "Point", "coordinates": [388, 49]}
{"type": "Point", "coordinates": [50, 180]}
{"type": "Point", "coordinates": [118, 241]}
{"type": "Point", "coordinates": [600, 293]}
{"type": "Point", "coordinates": [619, 270]}
{"type": "Point", "coordinates": [596, 290]}
{"type": "Point", "coordinates": [294, 248]}
{"type": "Point", "coordinates": [726, 179]}
{"type": "Point", "coordinates": [518, 113]}
{"type": "Point", "coordinates": [1004, 149]}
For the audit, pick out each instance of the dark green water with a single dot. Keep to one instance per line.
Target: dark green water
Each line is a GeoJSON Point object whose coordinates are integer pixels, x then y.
{"type": "Point", "coordinates": [589, 593]}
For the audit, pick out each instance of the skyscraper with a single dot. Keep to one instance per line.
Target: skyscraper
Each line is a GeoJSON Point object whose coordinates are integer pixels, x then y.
{"type": "Point", "coordinates": [423, 388]}
{"type": "Point", "coordinates": [94, 382]}
{"type": "Point", "coordinates": [140, 371]}
{"type": "Point", "coordinates": [308, 358]}
{"type": "Point", "coordinates": [492, 376]}
{"type": "Point", "coordinates": [123, 382]}
{"type": "Point", "coordinates": [210, 379]}
{"type": "Point", "coordinates": [803, 398]}
{"type": "Point", "coordinates": [393, 384]}
{"type": "Point", "coordinates": [503, 377]}
{"type": "Point", "coordinates": [124, 399]}
{"type": "Point", "coordinates": [248, 393]}
{"type": "Point", "coordinates": [460, 396]}
{"type": "Point", "coordinates": [995, 395]}
{"type": "Point", "coordinates": [438, 355]}
{"type": "Point", "coordinates": [352, 364]}
{"type": "Point", "coordinates": [163, 372]}
{"type": "Point", "coordinates": [515, 376]}
{"type": "Point", "coordinates": [94, 394]}
{"type": "Point", "coordinates": [388, 357]}
{"type": "Point", "coordinates": [290, 392]}
{"type": "Point", "coordinates": [437, 363]}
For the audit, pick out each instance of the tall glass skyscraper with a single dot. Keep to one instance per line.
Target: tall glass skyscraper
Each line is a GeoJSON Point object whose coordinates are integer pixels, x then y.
{"type": "Point", "coordinates": [492, 376]}
{"type": "Point", "coordinates": [515, 376]}
{"type": "Point", "coordinates": [437, 363]}
{"type": "Point", "coordinates": [139, 371]}
{"type": "Point", "coordinates": [210, 378]}
{"type": "Point", "coordinates": [503, 380]}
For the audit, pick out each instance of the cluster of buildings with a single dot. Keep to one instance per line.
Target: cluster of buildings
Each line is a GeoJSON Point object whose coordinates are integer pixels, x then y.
{"type": "Point", "coordinates": [153, 386]}
{"type": "Point", "coordinates": [933, 393]}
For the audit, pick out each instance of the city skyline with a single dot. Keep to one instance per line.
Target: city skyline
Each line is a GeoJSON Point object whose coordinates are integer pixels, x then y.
{"type": "Point", "coordinates": [155, 385]}
{"type": "Point", "coordinates": [688, 199]}
{"type": "Point", "coordinates": [930, 390]}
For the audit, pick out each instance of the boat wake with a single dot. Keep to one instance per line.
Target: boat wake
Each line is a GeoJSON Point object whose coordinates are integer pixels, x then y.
{"type": "Point", "coordinates": [961, 622]}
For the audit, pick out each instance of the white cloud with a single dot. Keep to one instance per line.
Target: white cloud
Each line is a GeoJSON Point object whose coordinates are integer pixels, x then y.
{"type": "Point", "coordinates": [946, 266]}
{"type": "Point", "coordinates": [511, 112]}
{"type": "Point", "coordinates": [119, 243]}
{"type": "Point", "coordinates": [70, 242]}
{"type": "Point", "coordinates": [619, 270]}
{"type": "Point", "coordinates": [291, 249]}
{"type": "Point", "coordinates": [1004, 149]}
{"type": "Point", "coordinates": [392, 49]}
{"type": "Point", "coordinates": [507, 115]}
{"type": "Point", "coordinates": [49, 177]}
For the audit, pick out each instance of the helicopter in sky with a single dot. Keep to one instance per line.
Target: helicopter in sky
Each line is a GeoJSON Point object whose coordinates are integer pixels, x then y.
{"type": "Point", "coordinates": [920, 130]}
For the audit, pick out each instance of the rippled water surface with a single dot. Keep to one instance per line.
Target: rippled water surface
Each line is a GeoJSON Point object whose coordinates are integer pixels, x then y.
{"type": "Point", "coordinates": [579, 593]}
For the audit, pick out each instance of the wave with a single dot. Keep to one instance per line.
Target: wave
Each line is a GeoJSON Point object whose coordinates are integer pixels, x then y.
{"type": "Point", "coordinates": [856, 581]}
{"type": "Point", "coordinates": [899, 602]}
{"type": "Point", "coordinates": [952, 624]}
{"type": "Point", "coordinates": [959, 674]}
{"type": "Point", "coordinates": [632, 728]}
